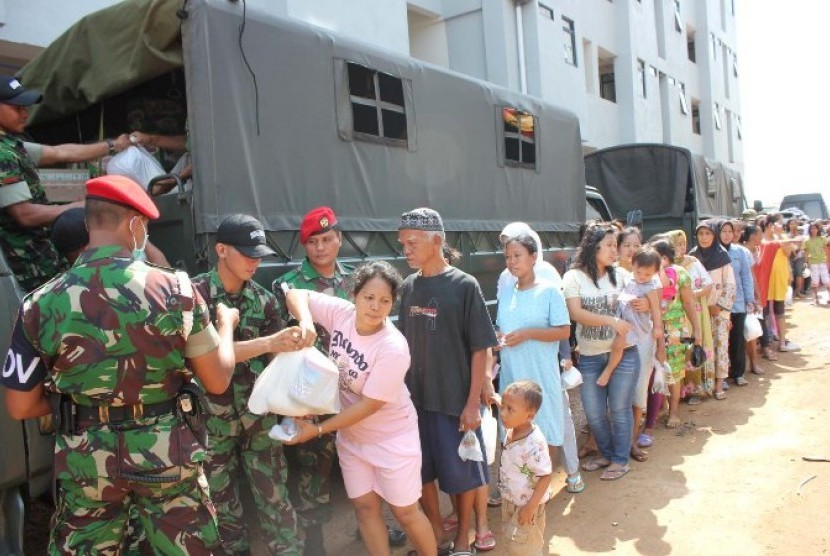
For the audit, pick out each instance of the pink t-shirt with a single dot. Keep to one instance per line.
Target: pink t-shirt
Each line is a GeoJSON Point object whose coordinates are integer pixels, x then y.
{"type": "Point", "coordinates": [373, 366]}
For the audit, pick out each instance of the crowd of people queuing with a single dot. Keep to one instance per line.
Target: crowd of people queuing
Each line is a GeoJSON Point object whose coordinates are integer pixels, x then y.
{"type": "Point", "coordinates": [113, 347]}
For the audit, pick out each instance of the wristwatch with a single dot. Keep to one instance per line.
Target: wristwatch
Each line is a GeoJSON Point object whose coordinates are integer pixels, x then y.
{"type": "Point", "coordinates": [111, 145]}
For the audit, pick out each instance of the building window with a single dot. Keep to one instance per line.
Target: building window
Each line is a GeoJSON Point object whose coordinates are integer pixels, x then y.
{"type": "Point", "coordinates": [735, 65]}
{"type": "Point", "coordinates": [641, 76]}
{"type": "Point", "coordinates": [691, 51]}
{"type": "Point", "coordinates": [569, 40]}
{"type": "Point", "coordinates": [695, 117]}
{"type": "Point", "coordinates": [607, 82]}
{"type": "Point", "coordinates": [716, 110]}
{"type": "Point", "coordinates": [545, 11]}
{"type": "Point", "coordinates": [678, 21]}
{"type": "Point", "coordinates": [378, 107]}
{"type": "Point", "coordinates": [714, 47]}
{"type": "Point", "coordinates": [681, 90]}
{"type": "Point", "coordinates": [519, 138]}
{"type": "Point", "coordinates": [738, 130]}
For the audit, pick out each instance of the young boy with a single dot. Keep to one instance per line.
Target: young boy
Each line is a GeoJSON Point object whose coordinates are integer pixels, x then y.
{"type": "Point", "coordinates": [525, 470]}
{"type": "Point", "coordinates": [647, 328]}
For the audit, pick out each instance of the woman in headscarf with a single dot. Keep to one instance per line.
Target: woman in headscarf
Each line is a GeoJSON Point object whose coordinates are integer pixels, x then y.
{"type": "Point", "coordinates": [718, 264]}
{"type": "Point", "coordinates": [696, 384]}
{"type": "Point", "coordinates": [742, 262]}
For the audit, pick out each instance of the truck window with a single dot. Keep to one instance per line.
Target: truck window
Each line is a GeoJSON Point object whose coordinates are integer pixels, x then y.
{"type": "Point", "coordinates": [519, 138]}
{"type": "Point", "coordinates": [378, 106]}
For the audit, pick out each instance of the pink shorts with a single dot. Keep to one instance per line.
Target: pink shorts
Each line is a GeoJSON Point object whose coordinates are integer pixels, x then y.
{"type": "Point", "coordinates": [391, 468]}
{"type": "Point", "coordinates": [820, 275]}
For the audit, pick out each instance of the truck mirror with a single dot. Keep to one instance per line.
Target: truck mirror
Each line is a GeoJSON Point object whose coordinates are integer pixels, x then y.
{"type": "Point", "coordinates": [634, 218]}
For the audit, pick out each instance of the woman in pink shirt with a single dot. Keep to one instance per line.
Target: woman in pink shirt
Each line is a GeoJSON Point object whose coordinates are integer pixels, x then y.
{"type": "Point", "coordinates": [377, 441]}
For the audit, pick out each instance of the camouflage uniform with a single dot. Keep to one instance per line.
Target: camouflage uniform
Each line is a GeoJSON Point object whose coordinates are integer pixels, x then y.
{"type": "Point", "coordinates": [112, 332]}
{"type": "Point", "coordinates": [309, 464]}
{"type": "Point", "coordinates": [30, 254]}
{"type": "Point", "coordinates": [240, 448]}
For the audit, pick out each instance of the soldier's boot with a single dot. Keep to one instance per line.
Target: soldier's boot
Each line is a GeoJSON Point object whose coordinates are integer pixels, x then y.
{"type": "Point", "coordinates": [314, 541]}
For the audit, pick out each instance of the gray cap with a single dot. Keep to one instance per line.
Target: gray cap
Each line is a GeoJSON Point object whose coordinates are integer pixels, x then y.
{"type": "Point", "coordinates": [424, 219]}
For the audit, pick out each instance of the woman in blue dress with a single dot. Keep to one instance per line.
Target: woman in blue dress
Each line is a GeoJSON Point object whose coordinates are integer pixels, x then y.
{"type": "Point", "coordinates": [532, 319]}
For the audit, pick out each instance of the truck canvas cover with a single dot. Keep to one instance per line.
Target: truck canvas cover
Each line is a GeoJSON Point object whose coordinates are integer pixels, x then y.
{"type": "Point", "coordinates": [270, 123]}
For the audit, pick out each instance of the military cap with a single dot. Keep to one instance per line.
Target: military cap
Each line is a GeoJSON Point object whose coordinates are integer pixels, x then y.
{"type": "Point", "coordinates": [121, 190]}
{"type": "Point", "coordinates": [317, 221]}
{"type": "Point", "coordinates": [749, 214]}
{"type": "Point", "coordinates": [69, 231]}
{"type": "Point", "coordinates": [13, 92]}
{"type": "Point", "coordinates": [425, 219]}
{"type": "Point", "coordinates": [245, 234]}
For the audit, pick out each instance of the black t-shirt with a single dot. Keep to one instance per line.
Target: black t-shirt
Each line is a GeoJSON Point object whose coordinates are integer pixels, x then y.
{"type": "Point", "coordinates": [444, 319]}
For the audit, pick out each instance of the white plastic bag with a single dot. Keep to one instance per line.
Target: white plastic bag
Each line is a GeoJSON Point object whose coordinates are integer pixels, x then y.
{"type": "Point", "coordinates": [662, 378]}
{"type": "Point", "coordinates": [788, 299]}
{"type": "Point", "coordinates": [297, 383]}
{"type": "Point", "coordinates": [135, 163]}
{"type": "Point", "coordinates": [571, 378]}
{"type": "Point", "coordinates": [470, 449]}
{"type": "Point", "coordinates": [752, 327]}
{"type": "Point", "coordinates": [285, 430]}
{"type": "Point", "coordinates": [489, 431]}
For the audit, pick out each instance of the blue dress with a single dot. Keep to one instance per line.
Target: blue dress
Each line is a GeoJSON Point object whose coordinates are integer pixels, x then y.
{"type": "Point", "coordinates": [541, 306]}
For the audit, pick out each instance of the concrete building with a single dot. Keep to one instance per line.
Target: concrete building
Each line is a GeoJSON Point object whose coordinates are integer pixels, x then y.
{"type": "Point", "coordinates": [634, 71]}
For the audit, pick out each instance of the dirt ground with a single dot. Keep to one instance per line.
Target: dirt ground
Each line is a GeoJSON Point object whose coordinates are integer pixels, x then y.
{"type": "Point", "coordinates": [731, 480]}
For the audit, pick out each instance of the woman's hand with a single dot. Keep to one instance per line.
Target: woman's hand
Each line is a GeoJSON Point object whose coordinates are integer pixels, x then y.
{"type": "Point", "coordinates": [641, 305]}
{"type": "Point", "coordinates": [306, 430]}
{"type": "Point", "coordinates": [308, 334]}
{"type": "Point", "coordinates": [515, 338]}
{"type": "Point", "coordinates": [621, 327]}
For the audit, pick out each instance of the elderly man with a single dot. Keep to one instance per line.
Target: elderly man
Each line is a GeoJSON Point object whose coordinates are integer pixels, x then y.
{"type": "Point", "coordinates": [25, 213]}
{"type": "Point", "coordinates": [117, 341]}
{"type": "Point", "coordinates": [445, 321]}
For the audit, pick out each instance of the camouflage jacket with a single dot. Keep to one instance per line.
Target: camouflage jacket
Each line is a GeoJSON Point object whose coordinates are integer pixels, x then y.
{"type": "Point", "coordinates": [258, 316]}
{"type": "Point", "coordinates": [306, 277]}
{"type": "Point", "coordinates": [30, 254]}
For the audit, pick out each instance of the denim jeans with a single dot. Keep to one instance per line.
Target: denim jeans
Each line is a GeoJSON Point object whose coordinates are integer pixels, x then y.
{"type": "Point", "coordinates": [608, 408]}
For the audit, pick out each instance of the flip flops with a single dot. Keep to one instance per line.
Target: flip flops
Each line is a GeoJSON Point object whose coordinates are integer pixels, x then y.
{"type": "Point", "coordinates": [614, 474]}
{"type": "Point", "coordinates": [485, 542]}
{"type": "Point", "coordinates": [575, 485]}
{"type": "Point", "coordinates": [449, 524]}
{"type": "Point", "coordinates": [645, 440]}
{"type": "Point", "coordinates": [594, 464]}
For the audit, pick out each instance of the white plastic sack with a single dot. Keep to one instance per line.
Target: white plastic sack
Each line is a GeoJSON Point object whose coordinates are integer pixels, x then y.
{"type": "Point", "coordinates": [788, 299]}
{"type": "Point", "coordinates": [297, 383]}
{"type": "Point", "coordinates": [285, 430]}
{"type": "Point", "coordinates": [489, 431]}
{"type": "Point", "coordinates": [135, 163]}
{"type": "Point", "coordinates": [571, 378]}
{"type": "Point", "coordinates": [470, 449]}
{"type": "Point", "coordinates": [752, 327]}
{"type": "Point", "coordinates": [662, 378]}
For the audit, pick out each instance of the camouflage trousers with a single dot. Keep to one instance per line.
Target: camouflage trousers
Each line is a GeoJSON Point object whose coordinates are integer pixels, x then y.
{"type": "Point", "coordinates": [241, 452]}
{"type": "Point", "coordinates": [309, 479]}
{"type": "Point", "coordinates": [176, 517]}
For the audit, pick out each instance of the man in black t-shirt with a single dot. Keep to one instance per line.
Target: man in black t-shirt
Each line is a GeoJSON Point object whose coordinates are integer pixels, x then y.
{"type": "Point", "coordinates": [445, 321]}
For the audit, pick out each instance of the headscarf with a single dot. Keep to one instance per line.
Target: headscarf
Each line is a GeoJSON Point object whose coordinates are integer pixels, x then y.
{"type": "Point", "coordinates": [516, 229]}
{"type": "Point", "coordinates": [677, 237]}
{"type": "Point", "coordinates": [721, 224]}
{"type": "Point", "coordinates": [542, 269]}
{"type": "Point", "coordinates": [714, 256]}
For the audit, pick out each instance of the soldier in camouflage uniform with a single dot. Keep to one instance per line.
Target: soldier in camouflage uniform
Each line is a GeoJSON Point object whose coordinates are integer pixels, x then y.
{"type": "Point", "coordinates": [118, 340]}
{"type": "Point", "coordinates": [240, 448]}
{"type": "Point", "coordinates": [25, 213]}
{"type": "Point", "coordinates": [309, 464]}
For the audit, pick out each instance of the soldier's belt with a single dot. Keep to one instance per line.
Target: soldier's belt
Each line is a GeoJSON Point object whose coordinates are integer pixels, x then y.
{"type": "Point", "coordinates": [102, 414]}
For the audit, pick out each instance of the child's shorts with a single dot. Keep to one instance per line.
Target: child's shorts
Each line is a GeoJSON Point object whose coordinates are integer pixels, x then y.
{"type": "Point", "coordinates": [522, 540]}
{"type": "Point", "coordinates": [819, 275]}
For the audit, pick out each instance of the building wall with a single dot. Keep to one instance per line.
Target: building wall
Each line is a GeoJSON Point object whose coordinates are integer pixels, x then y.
{"type": "Point", "coordinates": [523, 49]}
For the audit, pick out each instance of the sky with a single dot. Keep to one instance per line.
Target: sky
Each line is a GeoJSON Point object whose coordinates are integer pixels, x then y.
{"type": "Point", "coordinates": [783, 50]}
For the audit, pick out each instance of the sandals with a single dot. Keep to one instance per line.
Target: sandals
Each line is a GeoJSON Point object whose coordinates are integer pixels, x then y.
{"type": "Point", "coordinates": [575, 485]}
{"type": "Point", "coordinates": [638, 454]}
{"type": "Point", "coordinates": [492, 502]}
{"type": "Point", "coordinates": [645, 440]}
{"type": "Point", "coordinates": [693, 400]}
{"type": "Point", "coordinates": [485, 542]}
{"type": "Point", "coordinates": [596, 463]}
{"type": "Point", "coordinates": [612, 474]}
{"type": "Point", "coordinates": [586, 451]}
{"type": "Point", "coordinates": [719, 395]}
{"type": "Point", "coordinates": [758, 370]}
{"type": "Point", "coordinates": [769, 355]}
{"type": "Point", "coordinates": [450, 524]}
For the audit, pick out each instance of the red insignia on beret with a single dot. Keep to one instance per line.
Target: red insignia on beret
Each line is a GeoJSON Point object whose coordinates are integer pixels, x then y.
{"type": "Point", "coordinates": [317, 221]}
{"type": "Point", "coordinates": [123, 191]}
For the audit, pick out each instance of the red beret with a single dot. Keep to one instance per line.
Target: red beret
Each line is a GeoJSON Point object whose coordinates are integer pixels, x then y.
{"type": "Point", "coordinates": [123, 191]}
{"type": "Point", "coordinates": [317, 221]}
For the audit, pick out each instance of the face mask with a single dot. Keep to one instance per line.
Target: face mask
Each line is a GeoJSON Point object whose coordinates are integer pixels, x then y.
{"type": "Point", "coordinates": [138, 252]}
